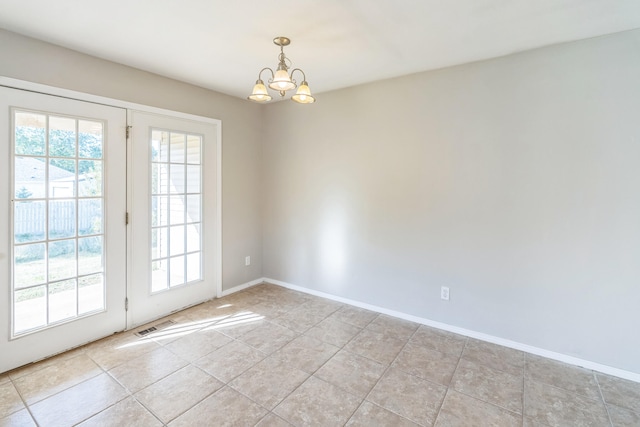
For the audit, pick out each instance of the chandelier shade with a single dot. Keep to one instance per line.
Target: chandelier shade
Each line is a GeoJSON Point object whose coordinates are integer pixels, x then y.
{"type": "Point", "coordinates": [303, 95]}
{"type": "Point", "coordinates": [281, 80]}
{"type": "Point", "coordinates": [260, 93]}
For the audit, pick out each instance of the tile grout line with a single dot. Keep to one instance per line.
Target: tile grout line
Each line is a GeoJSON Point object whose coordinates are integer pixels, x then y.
{"type": "Point", "coordinates": [524, 385]}
{"type": "Point", "coordinates": [28, 406]}
{"type": "Point", "coordinates": [604, 402]}
{"type": "Point", "coordinates": [148, 410]}
{"type": "Point", "coordinates": [496, 369]}
{"type": "Point", "coordinates": [129, 392]}
{"type": "Point", "coordinates": [450, 381]}
{"type": "Point", "coordinates": [564, 390]}
{"type": "Point", "coordinates": [490, 403]}
{"type": "Point", "coordinates": [190, 407]}
{"type": "Point", "coordinates": [237, 339]}
{"type": "Point", "coordinates": [511, 411]}
{"type": "Point", "coordinates": [111, 376]}
{"type": "Point", "coordinates": [387, 370]}
{"type": "Point", "coordinates": [24, 403]}
{"type": "Point", "coordinates": [364, 399]}
{"type": "Point", "coordinates": [327, 361]}
{"type": "Point", "coordinates": [342, 348]}
{"type": "Point", "coordinates": [267, 355]}
{"type": "Point", "coordinates": [145, 407]}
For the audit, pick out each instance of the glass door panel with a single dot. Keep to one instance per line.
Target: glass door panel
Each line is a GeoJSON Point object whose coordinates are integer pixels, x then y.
{"type": "Point", "coordinates": [175, 201]}
{"type": "Point", "coordinates": [53, 180]}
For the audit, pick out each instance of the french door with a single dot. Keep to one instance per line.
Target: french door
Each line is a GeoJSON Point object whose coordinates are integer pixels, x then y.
{"type": "Point", "coordinates": [174, 214]}
{"type": "Point", "coordinates": [62, 224]}
{"type": "Point", "coordinates": [71, 269]}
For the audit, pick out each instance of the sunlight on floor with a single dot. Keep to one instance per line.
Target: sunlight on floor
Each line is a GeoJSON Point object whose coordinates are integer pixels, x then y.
{"type": "Point", "coordinates": [212, 323]}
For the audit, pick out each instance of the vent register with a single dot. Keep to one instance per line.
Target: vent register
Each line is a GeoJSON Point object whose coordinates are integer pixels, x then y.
{"type": "Point", "coordinates": [155, 328]}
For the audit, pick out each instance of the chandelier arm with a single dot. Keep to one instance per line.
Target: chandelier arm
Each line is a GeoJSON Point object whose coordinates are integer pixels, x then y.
{"type": "Point", "coordinates": [265, 68]}
{"type": "Point", "coordinates": [304, 78]}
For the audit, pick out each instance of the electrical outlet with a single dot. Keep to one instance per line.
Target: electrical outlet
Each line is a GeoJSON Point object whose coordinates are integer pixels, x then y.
{"type": "Point", "coordinates": [444, 293]}
{"type": "Point", "coordinates": [247, 260]}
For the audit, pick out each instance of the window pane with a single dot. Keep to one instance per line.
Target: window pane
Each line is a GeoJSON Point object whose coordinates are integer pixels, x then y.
{"type": "Point", "coordinates": [62, 219]}
{"type": "Point", "coordinates": [90, 251]}
{"type": "Point", "coordinates": [193, 179]}
{"type": "Point", "coordinates": [176, 270]}
{"type": "Point", "coordinates": [90, 178]}
{"type": "Point", "coordinates": [193, 237]}
{"type": "Point", "coordinates": [89, 216]}
{"type": "Point", "coordinates": [159, 272]}
{"type": "Point", "coordinates": [62, 300]}
{"type": "Point", "coordinates": [29, 265]}
{"type": "Point", "coordinates": [193, 208]}
{"type": "Point", "coordinates": [30, 308]}
{"type": "Point", "coordinates": [193, 267]}
{"type": "Point", "coordinates": [159, 146]}
{"type": "Point", "coordinates": [30, 134]}
{"type": "Point", "coordinates": [176, 239]}
{"type": "Point", "coordinates": [177, 179]}
{"type": "Point", "coordinates": [159, 243]}
{"type": "Point", "coordinates": [177, 147]}
{"type": "Point", "coordinates": [159, 178]}
{"type": "Point", "coordinates": [90, 139]}
{"type": "Point", "coordinates": [193, 149]}
{"type": "Point", "coordinates": [62, 178]}
{"type": "Point", "coordinates": [159, 211]}
{"type": "Point", "coordinates": [29, 221]}
{"type": "Point", "coordinates": [62, 137]}
{"type": "Point", "coordinates": [177, 209]}
{"type": "Point", "coordinates": [90, 293]}
{"type": "Point", "coordinates": [62, 259]}
{"type": "Point", "coordinates": [30, 174]}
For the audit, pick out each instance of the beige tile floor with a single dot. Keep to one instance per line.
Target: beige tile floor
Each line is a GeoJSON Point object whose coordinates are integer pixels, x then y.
{"type": "Point", "coordinates": [269, 356]}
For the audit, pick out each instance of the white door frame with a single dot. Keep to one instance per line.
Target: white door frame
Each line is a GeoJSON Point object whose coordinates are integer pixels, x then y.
{"type": "Point", "coordinates": [51, 90]}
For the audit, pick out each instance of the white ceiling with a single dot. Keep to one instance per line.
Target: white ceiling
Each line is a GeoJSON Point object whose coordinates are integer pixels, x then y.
{"type": "Point", "coordinates": [222, 44]}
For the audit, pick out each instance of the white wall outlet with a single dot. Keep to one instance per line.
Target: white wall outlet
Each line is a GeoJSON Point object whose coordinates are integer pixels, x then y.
{"type": "Point", "coordinates": [444, 293]}
{"type": "Point", "coordinates": [247, 260]}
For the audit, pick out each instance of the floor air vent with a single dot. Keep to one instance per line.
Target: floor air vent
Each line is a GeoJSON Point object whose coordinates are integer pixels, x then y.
{"type": "Point", "coordinates": [154, 328]}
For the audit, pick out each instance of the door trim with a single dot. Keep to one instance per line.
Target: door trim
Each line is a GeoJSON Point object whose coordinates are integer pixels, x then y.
{"type": "Point", "coordinates": [96, 99]}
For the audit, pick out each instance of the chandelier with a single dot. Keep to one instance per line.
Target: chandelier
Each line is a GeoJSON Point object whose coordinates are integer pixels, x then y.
{"type": "Point", "coordinates": [282, 80]}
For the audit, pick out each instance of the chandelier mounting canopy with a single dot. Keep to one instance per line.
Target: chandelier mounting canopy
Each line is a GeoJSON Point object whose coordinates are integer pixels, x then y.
{"type": "Point", "coordinates": [282, 41]}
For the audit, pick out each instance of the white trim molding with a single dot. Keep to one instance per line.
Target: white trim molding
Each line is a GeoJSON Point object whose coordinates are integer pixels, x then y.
{"type": "Point", "coordinates": [242, 287]}
{"type": "Point", "coordinates": [632, 376]}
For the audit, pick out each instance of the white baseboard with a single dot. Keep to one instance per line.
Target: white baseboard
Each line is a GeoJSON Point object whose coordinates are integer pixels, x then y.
{"type": "Point", "coordinates": [241, 287]}
{"type": "Point", "coordinates": [467, 332]}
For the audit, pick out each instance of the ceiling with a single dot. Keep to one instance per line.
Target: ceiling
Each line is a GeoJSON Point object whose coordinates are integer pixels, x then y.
{"type": "Point", "coordinates": [222, 44]}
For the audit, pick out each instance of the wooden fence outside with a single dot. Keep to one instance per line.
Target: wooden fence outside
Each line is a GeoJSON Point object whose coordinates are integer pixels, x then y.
{"type": "Point", "coordinates": [30, 218]}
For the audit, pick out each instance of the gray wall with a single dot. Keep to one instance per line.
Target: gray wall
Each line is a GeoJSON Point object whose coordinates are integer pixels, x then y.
{"type": "Point", "coordinates": [39, 62]}
{"type": "Point", "coordinates": [514, 181]}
